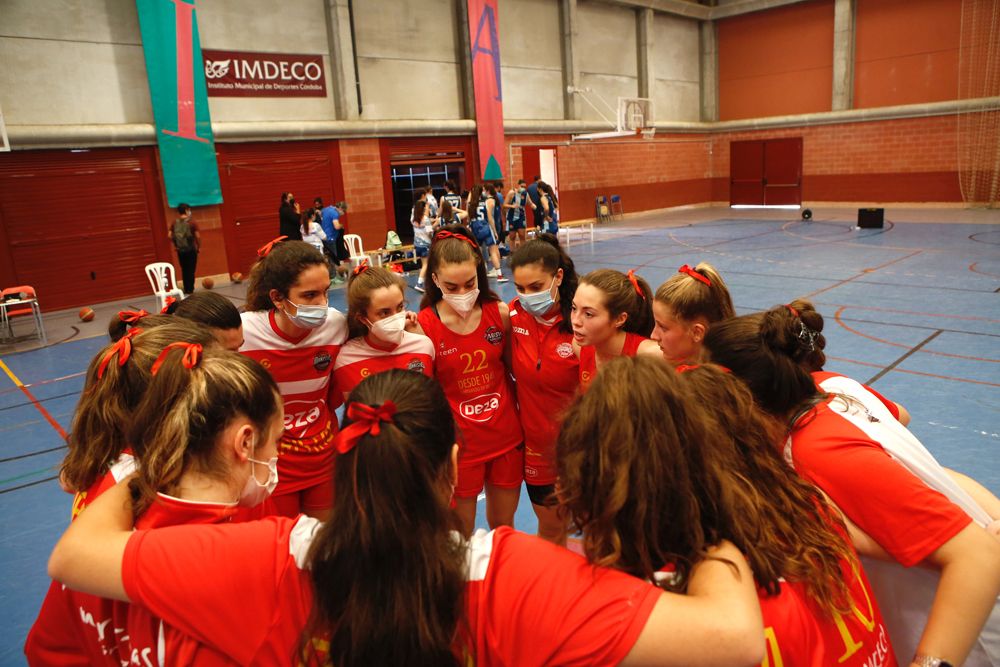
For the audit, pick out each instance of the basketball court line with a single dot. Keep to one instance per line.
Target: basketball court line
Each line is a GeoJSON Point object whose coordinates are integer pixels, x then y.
{"type": "Point", "coordinates": [903, 358]}
{"type": "Point", "coordinates": [31, 397]}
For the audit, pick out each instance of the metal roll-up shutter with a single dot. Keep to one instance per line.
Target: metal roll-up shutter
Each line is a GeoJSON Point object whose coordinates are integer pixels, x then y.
{"type": "Point", "coordinates": [79, 225]}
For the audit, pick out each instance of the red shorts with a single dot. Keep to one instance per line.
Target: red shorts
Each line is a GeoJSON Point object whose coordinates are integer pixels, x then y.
{"type": "Point", "coordinates": [304, 501]}
{"type": "Point", "coordinates": [505, 471]}
{"type": "Point", "coordinates": [540, 466]}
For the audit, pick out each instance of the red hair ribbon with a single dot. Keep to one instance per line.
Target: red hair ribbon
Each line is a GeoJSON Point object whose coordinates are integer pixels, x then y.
{"type": "Point", "coordinates": [635, 284]}
{"type": "Point", "coordinates": [131, 316]}
{"type": "Point", "coordinates": [122, 347]}
{"type": "Point", "coordinates": [364, 420]}
{"type": "Point", "coordinates": [361, 267]}
{"type": "Point", "coordinates": [169, 301]}
{"type": "Point", "coordinates": [269, 246]}
{"type": "Point", "coordinates": [445, 234]}
{"type": "Point", "coordinates": [192, 355]}
{"type": "Point", "coordinates": [694, 274]}
{"type": "Point", "coordinates": [792, 310]}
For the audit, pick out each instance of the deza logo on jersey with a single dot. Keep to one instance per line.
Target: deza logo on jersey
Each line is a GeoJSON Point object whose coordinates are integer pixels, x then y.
{"type": "Point", "coordinates": [480, 408]}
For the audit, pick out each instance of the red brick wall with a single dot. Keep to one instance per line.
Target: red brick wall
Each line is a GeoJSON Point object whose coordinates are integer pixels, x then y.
{"type": "Point", "coordinates": [364, 191]}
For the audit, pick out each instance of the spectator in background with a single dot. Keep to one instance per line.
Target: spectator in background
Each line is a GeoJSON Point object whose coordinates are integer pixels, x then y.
{"type": "Point", "coordinates": [535, 202]}
{"type": "Point", "coordinates": [187, 241]}
{"type": "Point", "coordinates": [288, 217]}
{"type": "Point", "coordinates": [334, 245]}
{"type": "Point", "coordinates": [312, 232]}
{"type": "Point", "coordinates": [432, 203]}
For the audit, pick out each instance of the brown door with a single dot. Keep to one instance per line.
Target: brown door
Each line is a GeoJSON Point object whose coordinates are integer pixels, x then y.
{"type": "Point", "coordinates": [783, 172]}
{"type": "Point", "coordinates": [80, 226]}
{"type": "Point", "coordinates": [746, 173]}
{"type": "Point", "coordinates": [253, 177]}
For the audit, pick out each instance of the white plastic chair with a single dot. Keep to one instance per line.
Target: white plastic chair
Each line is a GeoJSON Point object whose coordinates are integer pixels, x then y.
{"type": "Point", "coordinates": [355, 250]}
{"type": "Point", "coordinates": [161, 278]}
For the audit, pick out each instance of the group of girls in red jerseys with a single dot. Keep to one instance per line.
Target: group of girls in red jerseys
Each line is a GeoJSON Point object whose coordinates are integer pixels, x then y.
{"type": "Point", "coordinates": [736, 504]}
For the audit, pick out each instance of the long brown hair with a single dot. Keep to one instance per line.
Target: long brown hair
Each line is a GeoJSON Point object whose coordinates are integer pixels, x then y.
{"type": "Point", "coordinates": [689, 297]}
{"type": "Point", "coordinates": [620, 296]}
{"type": "Point", "coordinates": [786, 529]}
{"type": "Point", "coordinates": [809, 355]}
{"type": "Point", "coordinates": [447, 249]}
{"type": "Point", "coordinates": [634, 475]}
{"type": "Point", "coordinates": [184, 411]}
{"type": "Point", "coordinates": [359, 294]}
{"type": "Point", "coordinates": [764, 350]}
{"type": "Point", "coordinates": [279, 270]}
{"type": "Point", "coordinates": [388, 573]}
{"type": "Point", "coordinates": [107, 404]}
{"type": "Point", "coordinates": [544, 249]}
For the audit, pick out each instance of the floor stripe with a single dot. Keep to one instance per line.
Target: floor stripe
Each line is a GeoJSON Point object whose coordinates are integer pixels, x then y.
{"type": "Point", "coordinates": [903, 358]}
{"type": "Point", "coordinates": [25, 486]}
{"type": "Point", "coordinates": [45, 413]}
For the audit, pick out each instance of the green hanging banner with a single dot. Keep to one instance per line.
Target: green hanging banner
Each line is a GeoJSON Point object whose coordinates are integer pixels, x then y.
{"type": "Point", "coordinates": [180, 101]}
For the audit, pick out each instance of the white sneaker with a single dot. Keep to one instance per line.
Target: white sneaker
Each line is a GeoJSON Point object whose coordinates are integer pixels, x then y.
{"type": "Point", "coordinates": [492, 273]}
{"type": "Point", "coordinates": [501, 279]}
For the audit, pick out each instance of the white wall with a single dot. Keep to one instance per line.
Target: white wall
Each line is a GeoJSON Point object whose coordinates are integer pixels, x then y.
{"type": "Point", "coordinates": [531, 59]}
{"type": "Point", "coordinates": [607, 55]}
{"type": "Point", "coordinates": [408, 59]}
{"type": "Point", "coordinates": [676, 69]}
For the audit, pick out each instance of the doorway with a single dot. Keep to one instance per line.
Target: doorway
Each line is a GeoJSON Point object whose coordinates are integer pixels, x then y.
{"type": "Point", "coordinates": [409, 178]}
{"type": "Point", "coordinates": [765, 172]}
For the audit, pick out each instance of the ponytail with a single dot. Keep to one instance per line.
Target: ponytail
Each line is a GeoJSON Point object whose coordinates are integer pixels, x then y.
{"type": "Point", "coordinates": [762, 349]}
{"type": "Point", "coordinates": [126, 320]}
{"type": "Point", "coordinates": [697, 292]}
{"type": "Point", "coordinates": [622, 295]}
{"type": "Point", "coordinates": [97, 437]}
{"type": "Point", "coordinates": [388, 573]}
{"type": "Point", "coordinates": [544, 249]}
{"type": "Point", "coordinates": [185, 409]}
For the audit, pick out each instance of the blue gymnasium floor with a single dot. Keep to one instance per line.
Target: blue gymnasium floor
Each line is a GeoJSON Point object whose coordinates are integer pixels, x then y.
{"type": "Point", "coordinates": [912, 309]}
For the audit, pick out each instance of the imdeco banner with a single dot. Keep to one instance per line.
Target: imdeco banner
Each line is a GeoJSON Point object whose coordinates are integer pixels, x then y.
{"type": "Point", "coordinates": [485, 40]}
{"type": "Point", "coordinates": [180, 102]}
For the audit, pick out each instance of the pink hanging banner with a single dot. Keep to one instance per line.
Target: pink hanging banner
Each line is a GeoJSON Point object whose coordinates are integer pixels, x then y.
{"type": "Point", "coordinates": [485, 40]}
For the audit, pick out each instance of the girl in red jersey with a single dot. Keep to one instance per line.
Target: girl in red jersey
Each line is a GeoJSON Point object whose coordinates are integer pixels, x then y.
{"type": "Point", "coordinates": [290, 328]}
{"type": "Point", "coordinates": [378, 321]}
{"type": "Point", "coordinates": [612, 316]}
{"type": "Point", "coordinates": [469, 326]}
{"type": "Point", "coordinates": [844, 446]}
{"type": "Point", "coordinates": [206, 433]}
{"type": "Point", "coordinates": [544, 366]}
{"type": "Point", "coordinates": [388, 582]}
{"type": "Point", "coordinates": [684, 307]}
{"type": "Point", "coordinates": [650, 486]}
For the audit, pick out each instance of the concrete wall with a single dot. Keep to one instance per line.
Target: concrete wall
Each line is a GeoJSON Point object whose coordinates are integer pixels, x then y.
{"type": "Point", "coordinates": [608, 57]}
{"type": "Point", "coordinates": [72, 63]}
{"type": "Point", "coordinates": [676, 70]}
{"type": "Point", "coordinates": [531, 59]}
{"type": "Point", "coordinates": [408, 59]}
{"type": "Point", "coordinates": [254, 25]}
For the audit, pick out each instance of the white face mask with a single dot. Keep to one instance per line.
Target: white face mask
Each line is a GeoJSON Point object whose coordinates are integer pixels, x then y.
{"type": "Point", "coordinates": [391, 328]}
{"type": "Point", "coordinates": [462, 303]}
{"type": "Point", "coordinates": [254, 492]}
{"type": "Point", "coordinates": [307, 317]}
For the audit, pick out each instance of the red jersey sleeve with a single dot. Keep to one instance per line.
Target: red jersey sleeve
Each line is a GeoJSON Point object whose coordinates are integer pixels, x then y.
{"type": "Point", "coordinates": [906, 517]}
{"type": "Point", "coordinates": [544, 605]}
{"type": "Point", "coordinates": [219, 584]}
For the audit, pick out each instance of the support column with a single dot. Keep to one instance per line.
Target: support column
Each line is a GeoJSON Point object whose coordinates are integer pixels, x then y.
{"type": "Point", "coordinates": [568, 23]}
{"type": "Point", "coordinates": [645, 36]}
{"type": "Point", "coordinates": [709, 61]}
{"type": "Point", "coordinates": [843, 55]}
{"type": "Point", "coordinates": [343, 76]}
{"type": "Point", "coordinates": [465, 61]}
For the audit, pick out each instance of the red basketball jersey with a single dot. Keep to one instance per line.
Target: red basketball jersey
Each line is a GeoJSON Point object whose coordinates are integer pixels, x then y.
{"type": "Point", "coordinates": [588, 358]}
{"type": "Point", "coordinates": [546, 373]}
{"type": "Point", "coordinates": [358, 359]}
{"type": "Point", "coordinates": [472, 372]}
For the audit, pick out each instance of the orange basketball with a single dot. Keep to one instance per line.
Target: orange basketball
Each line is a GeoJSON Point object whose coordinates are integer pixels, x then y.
{"type": "Point", "coordinates": [207, 283]}
{"type": "Point", "coordinates": [86, 314]}
{"type": "Point", "coordinates": [237, 277]}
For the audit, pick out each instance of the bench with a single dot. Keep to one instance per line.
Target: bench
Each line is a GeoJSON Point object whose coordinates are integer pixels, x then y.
{"type": "Point", "coordinates": [379, 257]}
{"type": "Point", "coordinates": [582, 226]}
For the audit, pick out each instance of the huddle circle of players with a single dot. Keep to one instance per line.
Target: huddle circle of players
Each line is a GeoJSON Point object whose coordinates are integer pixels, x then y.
{"type": "Point", "coordinates": [738, 505]}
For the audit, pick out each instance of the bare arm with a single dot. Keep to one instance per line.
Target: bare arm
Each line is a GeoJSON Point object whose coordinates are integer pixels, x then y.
{"type": "Point", "coordinates": [983, 496]}
{"type": "Point", "coordinates": [648, 348]}
{"type": "Point", "coordinates": [966, 593]}
{"type": "Point", "coordinates": [88, 557]}
{"type": "Point", "coordinates": [904, 414]}
{"type": "Point", "coordinates": [717, 623]}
